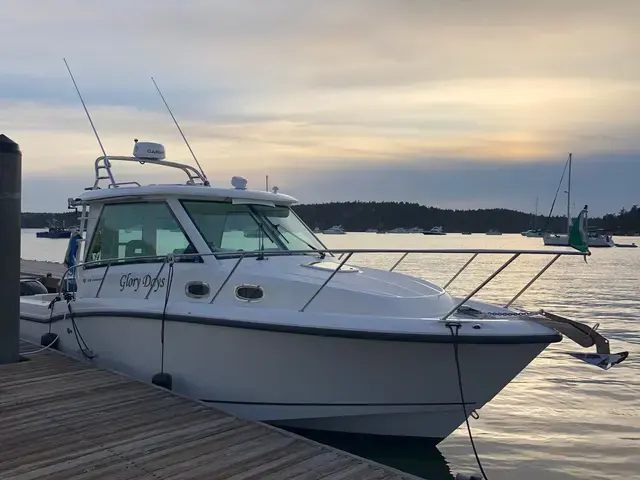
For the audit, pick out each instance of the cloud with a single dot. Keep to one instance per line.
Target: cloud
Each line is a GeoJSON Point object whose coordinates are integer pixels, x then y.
{"type": "Point", "coordinates": [462, 184]}
{"type": "Point", "coordinates": [330, 87]}
{"type": "Point", "coordinates": [471, 184]}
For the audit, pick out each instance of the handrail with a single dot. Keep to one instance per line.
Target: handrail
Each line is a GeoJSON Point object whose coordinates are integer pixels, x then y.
{"type": "Point", "coordinates": [347, 253]}
{"type": "Point", "coordinates": [530, 282]}
{"type": "Point", "coordinates": [464, 267]}
{"type": "Point", "coordinates": [481, 286]}
{"type": "Point", "coordinates": [103, 277]}
{"type": "Point", "coordinates": [215, 295]}
{"type": "Point", "coordinates": [333, 274]}
{"type": "Point", "coordinates": [152, 284]}
{"type": "Point", "coordinates": [193, 174]}
{"type": "Point", "coordinates": [399, 261]}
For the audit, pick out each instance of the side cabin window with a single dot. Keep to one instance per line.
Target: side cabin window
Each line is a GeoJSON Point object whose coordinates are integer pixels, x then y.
{"type": "Point", "coordinates": [126, 231]}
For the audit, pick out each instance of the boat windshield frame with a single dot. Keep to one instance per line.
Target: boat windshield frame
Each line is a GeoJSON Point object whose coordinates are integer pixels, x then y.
{"type": "Point", "coordinates": [283, 238]}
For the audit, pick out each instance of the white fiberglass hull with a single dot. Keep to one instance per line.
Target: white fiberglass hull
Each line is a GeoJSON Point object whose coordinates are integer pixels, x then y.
{"type": "Point", "coordinates": [318, 382]}
{"type": "Point", "coordinates": [563, 241]}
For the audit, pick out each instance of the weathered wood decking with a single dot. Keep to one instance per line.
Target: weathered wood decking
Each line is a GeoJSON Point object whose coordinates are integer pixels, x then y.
{"type": "Point", "coordinates": [61, 418]}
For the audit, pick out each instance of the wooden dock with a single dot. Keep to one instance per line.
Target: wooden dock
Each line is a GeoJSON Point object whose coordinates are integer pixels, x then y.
{"type": "Point", "coordinates": [61, 418]}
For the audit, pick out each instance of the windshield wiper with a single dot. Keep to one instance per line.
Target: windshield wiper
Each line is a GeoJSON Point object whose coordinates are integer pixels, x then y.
{"type": "Point", "coordinates": [276, 227]}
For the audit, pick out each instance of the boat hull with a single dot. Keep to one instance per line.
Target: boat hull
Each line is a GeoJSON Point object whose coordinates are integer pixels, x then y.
{"type": "Point", "coordinates": [305, 381]}
{"type": "Point", "coordinates": [563, 241]}
{"type": "Point", "coordinates": [53, 234]}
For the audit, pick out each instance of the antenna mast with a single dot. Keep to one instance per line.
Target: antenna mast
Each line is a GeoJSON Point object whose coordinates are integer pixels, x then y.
{"type": "Point", "coordinates": [107, 163]}
{"type": "Point", "coordinates": [569, 198]}
{"type": "Point", "coordinates": [180, 130]}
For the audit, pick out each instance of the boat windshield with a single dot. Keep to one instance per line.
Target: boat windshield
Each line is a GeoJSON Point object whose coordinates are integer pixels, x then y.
{"type": "Point", "coordinates": [250, 228]}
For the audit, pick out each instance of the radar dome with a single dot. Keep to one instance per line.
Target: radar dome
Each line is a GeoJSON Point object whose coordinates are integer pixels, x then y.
{"type": "Point", "coordinates": [149, 150]}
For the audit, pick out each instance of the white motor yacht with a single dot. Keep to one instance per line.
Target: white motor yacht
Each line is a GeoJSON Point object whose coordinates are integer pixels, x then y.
{"type": "Point", "coordinates": [595, 239]}
{"type": "Point", "coordinates": [537, 233]}
{"type": "Point", "coordinates": [225, 295]}
{"type": "Point", "coordinates": [438, 230]}
{"type": "Point", "coordinates": [335, 230]}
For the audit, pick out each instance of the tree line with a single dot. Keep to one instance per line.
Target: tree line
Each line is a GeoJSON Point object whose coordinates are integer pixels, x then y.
{"type": "Point", "coordinates": [44, 220]}
{"type": "Point", "coordinates": [361, 216]}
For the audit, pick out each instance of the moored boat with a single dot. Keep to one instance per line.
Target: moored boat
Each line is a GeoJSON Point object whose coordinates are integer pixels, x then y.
{"type": "Point", "coordinates": [276, 327]}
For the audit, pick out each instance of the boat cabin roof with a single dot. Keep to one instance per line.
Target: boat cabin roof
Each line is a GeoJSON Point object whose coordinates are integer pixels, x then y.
{"type": "Point", "coordinates": [196, 187]}
{"type": "Point", "coordinates": [201, 192]}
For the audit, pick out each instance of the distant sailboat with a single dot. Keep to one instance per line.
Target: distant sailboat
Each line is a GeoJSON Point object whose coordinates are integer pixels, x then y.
{"type": "Point", "coordinates": [595, 238]}
{"type": "Point", "coordinates": [534, 232]}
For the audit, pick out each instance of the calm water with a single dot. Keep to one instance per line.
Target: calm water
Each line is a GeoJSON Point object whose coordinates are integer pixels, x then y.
{"type": "Point", "coordinates": [560, 418]}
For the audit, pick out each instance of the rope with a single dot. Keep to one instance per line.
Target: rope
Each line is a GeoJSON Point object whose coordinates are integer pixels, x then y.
{"type": "Point", "coordinates": [464, 407]}
{"type": "Point", "coordinates": [33, 352]}
{"type": "Point", "coordinates": [164, 312]}
{"type": "Point", "coordinates": [51, 304]}
{"type": "Point", "coordinates": [76, 331]}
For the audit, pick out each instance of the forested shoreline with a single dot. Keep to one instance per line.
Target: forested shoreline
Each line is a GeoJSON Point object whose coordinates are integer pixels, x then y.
{"type": "Point", "coordinates": [361, 216]}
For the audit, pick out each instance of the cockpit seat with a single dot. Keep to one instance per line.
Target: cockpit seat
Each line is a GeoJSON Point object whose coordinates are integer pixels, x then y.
{"type": "Point", "coordinates": [138, 248]}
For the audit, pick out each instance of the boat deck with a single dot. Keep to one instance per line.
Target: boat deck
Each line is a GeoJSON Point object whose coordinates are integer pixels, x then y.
{"type": "Point", "coordinates": [61, 418]}
{"type": "Point", "coordinates": [39, 268]}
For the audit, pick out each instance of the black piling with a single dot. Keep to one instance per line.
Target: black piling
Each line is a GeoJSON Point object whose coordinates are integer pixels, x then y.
{"type": "Point", "coordinates": [10, 193]}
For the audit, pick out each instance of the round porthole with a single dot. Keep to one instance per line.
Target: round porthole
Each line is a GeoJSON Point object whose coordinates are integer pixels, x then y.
{"type": "Point", "coordinates": [249, 293]}
{"type": "Point", "coordinates": [197, 289]}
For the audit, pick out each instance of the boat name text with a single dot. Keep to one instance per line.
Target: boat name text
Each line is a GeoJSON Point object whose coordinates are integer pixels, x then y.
{"type": "Point", "coordinates": [133, 282]}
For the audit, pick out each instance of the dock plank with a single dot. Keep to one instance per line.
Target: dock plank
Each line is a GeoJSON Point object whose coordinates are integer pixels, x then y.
{"type": "Point", "coordinates": [62, 418]}
{"type": "Point", "coordinates": [291, 457]}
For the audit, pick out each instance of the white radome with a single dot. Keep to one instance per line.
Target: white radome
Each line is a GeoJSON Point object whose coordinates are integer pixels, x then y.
{"type": "Point", "coordinates": [149, 150]}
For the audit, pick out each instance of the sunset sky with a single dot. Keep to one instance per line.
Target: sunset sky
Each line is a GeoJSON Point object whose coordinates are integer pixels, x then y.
{"type": "Point", "coordinates": [452, 103]}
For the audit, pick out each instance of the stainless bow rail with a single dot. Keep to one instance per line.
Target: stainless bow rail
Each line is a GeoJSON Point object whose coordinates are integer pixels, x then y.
{"type": "Point", "coordinates": [344, 256]}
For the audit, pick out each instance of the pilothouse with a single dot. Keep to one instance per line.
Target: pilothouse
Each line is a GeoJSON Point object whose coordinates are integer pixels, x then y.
{"type": "Point", "coordinates": [227, 296]}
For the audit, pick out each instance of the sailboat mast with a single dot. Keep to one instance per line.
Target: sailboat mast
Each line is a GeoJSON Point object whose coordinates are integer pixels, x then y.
{"type": "Point", "coordinates": [535, 219]}
{"type": "Point", "coordinates": [569, 198]}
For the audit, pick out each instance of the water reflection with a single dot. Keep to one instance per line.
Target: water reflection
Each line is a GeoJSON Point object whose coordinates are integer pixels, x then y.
{"type": "Point", "coordinates": [558, 419]}
{"type": "Point", "coordinates": [418, 457]}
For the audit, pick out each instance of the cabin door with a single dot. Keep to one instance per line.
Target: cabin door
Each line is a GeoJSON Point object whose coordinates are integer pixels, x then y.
{"type": "Point", "coordinates": [128, 252]}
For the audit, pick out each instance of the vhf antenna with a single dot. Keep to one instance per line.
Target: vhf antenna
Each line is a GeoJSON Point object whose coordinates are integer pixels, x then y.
{"type": "Point", "coordinates": [107, 163]}
{"type": "Point", "coordinates": [206, 182]}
